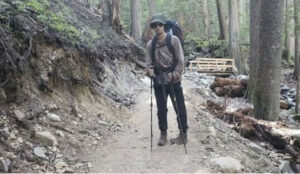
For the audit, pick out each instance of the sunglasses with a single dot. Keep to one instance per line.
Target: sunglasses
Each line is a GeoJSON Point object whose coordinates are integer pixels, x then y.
{"type": "Point", "coordinates": [154, 25]}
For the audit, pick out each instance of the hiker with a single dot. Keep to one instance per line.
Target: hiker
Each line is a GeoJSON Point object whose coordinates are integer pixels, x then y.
{"type": "Point", "coordinates": [165, 63]}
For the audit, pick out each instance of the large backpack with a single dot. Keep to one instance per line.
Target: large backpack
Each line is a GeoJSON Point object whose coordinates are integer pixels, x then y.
{"type": "Point", "coordinates": [174, 28]}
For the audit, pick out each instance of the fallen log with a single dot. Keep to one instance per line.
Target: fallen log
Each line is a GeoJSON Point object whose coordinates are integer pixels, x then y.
{"type": "Point", "coordinates": [276, 133]}
{"type": "Point", "coordinates": [229, 87]}
{"type": "Point", "coordinates": [221, 82]}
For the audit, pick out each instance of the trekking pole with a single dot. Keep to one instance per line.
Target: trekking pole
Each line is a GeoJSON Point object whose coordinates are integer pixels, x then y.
{"type": "Point", "coordinates": [151, 106]}
{"type": "Point", "coordinates": [174, 102]}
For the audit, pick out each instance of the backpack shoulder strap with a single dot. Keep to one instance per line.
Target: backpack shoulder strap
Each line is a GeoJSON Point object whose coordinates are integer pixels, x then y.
{"type": "Point", "coordinates": [153, 47]}
{"type": "Point", "coordinates": [171, 49]}
{"type": "Point", "coordinates": [169, 44]}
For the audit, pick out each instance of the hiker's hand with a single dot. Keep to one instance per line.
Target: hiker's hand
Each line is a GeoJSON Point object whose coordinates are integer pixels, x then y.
{"type": "Point", "coordinates": [150, 72]}
{"type": "Point", "coordinates": [170, 77]}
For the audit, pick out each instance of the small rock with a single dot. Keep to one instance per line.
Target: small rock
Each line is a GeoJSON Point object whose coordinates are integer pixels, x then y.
{"type": "Point", "coordinates": [290, 102]}
{"type": "Point", "coordinates": [53, 117]}
{"type": "Point", "coordinates": [59, 155]}
{"type": "Point", "coordinates": [20, 116]}
{"type": "Point", "coordinates": [227, 164]}
{"type": "Point", "coordinates": [60, 165]}
{"type": "Point", "coordinates": [29, 145]}
{"type": "Point", "coordinates": [273, 155]}
{"type": "Point", "coordinates": [29, 156]}
{"type": "Point", "coordinates": [20, 140]}
{"type": "Point", "coordinates": [103, 123]}
{"type": "Point", "coordinates": [60, 133]}
{"type": "Point", "coordinates": [75, 110]}
{"type": "Point", "coordinates": [263, 144]}
{"type": "Point", "coordinates": [46, 138]}
{"type": "Point", "coordinates": [89, 165]}
{"type": "Point", "coordinates": [285, 167]}
{"type": "Point", "coordinates": [69, 170]}
{"type": "Point", "coordinates": [212, 131]}
{"type": "Point", "coordinates": [74, 122]}
{"type": "Point", "coordinates": [256, 147]}
{"type": "Point", "coordinates": [4, 165]}
{"type": "Point", "coordinates": [53, 107]}
{"type": "Point", "coordinates": [243, 77]}
{"type": "Point", "coordinates": [287, 157]}
{"type": "Point", "coordinates": [40, 152]}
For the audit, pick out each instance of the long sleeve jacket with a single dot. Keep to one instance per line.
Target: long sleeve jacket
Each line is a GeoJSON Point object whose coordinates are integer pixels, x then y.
{"type": "Point", "coordinates": [164, 59]}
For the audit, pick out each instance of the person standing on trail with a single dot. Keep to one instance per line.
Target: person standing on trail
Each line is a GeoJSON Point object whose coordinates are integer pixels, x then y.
{"type": "Point", "coordinates": [165, 64]}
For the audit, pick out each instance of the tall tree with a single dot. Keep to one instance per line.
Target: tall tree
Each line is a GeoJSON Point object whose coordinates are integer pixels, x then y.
{"type": "Point", "coordinates": [111, 12]}
{"type": "Point", "coordinates": [267, 93]}
{"type": "Point", "coordinates": [222, 21]}
{"type": "Point", "coordinates": [148, 33]}
{"type": "Point", "coordinates": [206, 19]}
{"type": "Point", "coordinates": [297, 51]}
{"type": "Point", "coordinates": [234, 36]}
{"type": "Point", "coordinates": [287, 31]}
{"type": "Point", "coordinates": [136, 28]}
{"type": "Point", "coordinates": [254, 47]}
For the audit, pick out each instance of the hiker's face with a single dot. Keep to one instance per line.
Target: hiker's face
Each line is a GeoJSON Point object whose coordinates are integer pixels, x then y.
{"type": "Point", "coordinates": [158, 27]}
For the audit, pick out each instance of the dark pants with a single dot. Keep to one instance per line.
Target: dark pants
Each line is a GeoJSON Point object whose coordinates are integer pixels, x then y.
{"type": "Point", "coordinates": [161, 95]}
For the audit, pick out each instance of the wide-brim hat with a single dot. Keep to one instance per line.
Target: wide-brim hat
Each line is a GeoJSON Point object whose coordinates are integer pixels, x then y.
{"type": "Point", "coordinates": [158, 18]}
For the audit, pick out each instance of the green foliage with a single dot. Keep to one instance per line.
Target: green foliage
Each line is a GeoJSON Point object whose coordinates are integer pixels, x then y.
{"type": "Point", "coordinates": [37, 6]}
{"type": "Point", "coordinates": [219, 48]}
{"type": "Point", "coordinates": [58, 19]}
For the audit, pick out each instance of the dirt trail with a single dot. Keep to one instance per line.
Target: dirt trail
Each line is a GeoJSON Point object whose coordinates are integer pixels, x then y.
{"type": "Point", "coordinates": [209, 138]}
{"type": "Point", "coordinates": [131, 153]}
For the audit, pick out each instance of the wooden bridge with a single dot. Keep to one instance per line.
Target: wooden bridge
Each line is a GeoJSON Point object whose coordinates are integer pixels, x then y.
{"type": "Point", "coordinates": [213, 66]}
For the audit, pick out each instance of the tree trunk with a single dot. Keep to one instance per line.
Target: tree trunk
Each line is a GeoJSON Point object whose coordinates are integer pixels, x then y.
{"type": "Point", "coordinates": [206, 20]}
{"type": "Point", "coordinates": [242, 11]}
{"type": "Point", "coordinates": [222, 21]}
{"type": "Point", "coordinates": [148, 33]}
{"type": "Point", "coordinates": [234, 36]}
{"type": "Point", "coordinates": [254, 47]}
{"type": "Point", "coordinates": [111, 12]}
{"type": "Point", "coordinates": [287, 32]}
{"type": "Point", "coordinates": [136, 28]}
{"type": "Point", "coordinates": [116, 16]}
{"type": "Point", "coordinates": [267, 94]}
{"type": "Point", "coordinates": [297, 51]}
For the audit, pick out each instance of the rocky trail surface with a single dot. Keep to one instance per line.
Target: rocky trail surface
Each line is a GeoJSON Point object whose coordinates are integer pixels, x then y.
{"type": "Point", "coordinates": [213, 146]}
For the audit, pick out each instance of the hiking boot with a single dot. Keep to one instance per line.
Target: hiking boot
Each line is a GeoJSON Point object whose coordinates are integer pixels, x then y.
{"type": "Point", "coordinates": [180, 139]}
{"type": "Point", "coordinates": [163, 138]}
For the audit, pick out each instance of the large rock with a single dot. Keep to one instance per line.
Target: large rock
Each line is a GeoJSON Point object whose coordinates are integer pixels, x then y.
{"type": "Point", "coordinates": [227, 164]}
{"type": "Point", "coordinates": [53, 117]}
{"type": "Point", "coordinates": [46, 138]}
